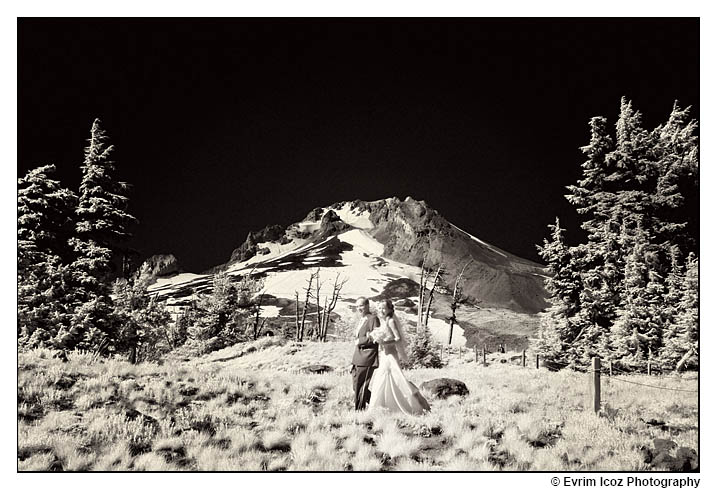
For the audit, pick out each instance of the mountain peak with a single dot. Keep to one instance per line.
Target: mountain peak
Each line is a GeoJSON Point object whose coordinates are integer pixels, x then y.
{"type": "Point", "coordinates": [410, 232]}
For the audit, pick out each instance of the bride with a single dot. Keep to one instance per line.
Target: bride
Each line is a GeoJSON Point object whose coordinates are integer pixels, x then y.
{"type": "Point", "coordinates": [389, 388]}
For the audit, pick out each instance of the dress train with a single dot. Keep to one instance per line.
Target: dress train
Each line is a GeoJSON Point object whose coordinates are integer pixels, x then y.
{"type": "Point", "coordinates": [391, 390]}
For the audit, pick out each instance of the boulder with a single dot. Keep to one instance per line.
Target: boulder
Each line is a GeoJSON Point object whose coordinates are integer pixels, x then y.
{"type": "Point", "coordinates": [687, 458]}
{"type": "Point", "coordinates": [667, 455]}
{"type": "Point", "coordinates": [405, 302]}
{"type": "Point", "coordinates": [551, 366]}
{"type": "Point", "coordinates": [317, 369]}
{"type": "Point", "coordinates": [664, 445]}
{"type": "Point", "coordinates": [445, 387]}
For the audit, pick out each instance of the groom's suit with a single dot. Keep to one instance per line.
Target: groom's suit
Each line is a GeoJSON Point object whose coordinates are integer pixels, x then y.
{"type": "Point", "coordinates": [365, 360]}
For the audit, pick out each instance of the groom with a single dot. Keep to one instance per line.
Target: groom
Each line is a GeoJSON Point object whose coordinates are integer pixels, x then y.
{"type": "Point", "coordinates": [366, 354]}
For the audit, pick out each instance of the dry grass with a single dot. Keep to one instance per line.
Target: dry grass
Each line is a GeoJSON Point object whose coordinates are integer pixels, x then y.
{"type": "Point", "coordinates": [249, 408]}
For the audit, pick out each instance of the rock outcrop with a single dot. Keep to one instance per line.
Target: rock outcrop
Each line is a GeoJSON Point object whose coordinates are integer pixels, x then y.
{"type": "Point", "coordinates": [163, 265]}
{"type": "Point", "coordinates": [250, 247]}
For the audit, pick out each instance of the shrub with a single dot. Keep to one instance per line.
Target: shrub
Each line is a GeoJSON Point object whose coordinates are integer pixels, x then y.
{"type": "Point", "coordinates": [422, 350]}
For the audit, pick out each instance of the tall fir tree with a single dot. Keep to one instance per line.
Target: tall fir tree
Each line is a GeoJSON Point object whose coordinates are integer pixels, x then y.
{"type": "Point", "coordinates": [681, 348]}
{"type": "Point", "coordinates": [45, 225]}
{"type": "Point", "coordinates": [102, 225]}
{"type": "Point", "coordinates": [637, 334]}
{"type": "Point", "coordinates": [637, 195]}
{"type": "Point", "coordinates": [559, 326]}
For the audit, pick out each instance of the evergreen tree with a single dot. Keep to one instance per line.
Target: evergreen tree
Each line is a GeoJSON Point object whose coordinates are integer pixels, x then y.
{"type": "Point", "coordinates": [637, 197]}
{"type": "Point", "coordinates": [143, 321]}
{"type": "Point", "coordinates": [44, 218]}
{"type": "Point", "coordinates": [44, 228]}
{"type": "Point", "coordinates": [681, 350]}
{"type": "Point", "coordinates": [637, 333]}
{"type": "Point", "coordinates": [102, 224]}
{"type": "Point", "coordinates": [102, 218]}
{"type": "Point", "coordinates": [675, 200]}
{"type": "Point", "coordinates": [421, 349]}
{"type": "Point", "coordinates": [559, 326]}
{"type": "Point", "coordinates": [673, 291]}
{"type": "Point", "coordinates": [219, 320]}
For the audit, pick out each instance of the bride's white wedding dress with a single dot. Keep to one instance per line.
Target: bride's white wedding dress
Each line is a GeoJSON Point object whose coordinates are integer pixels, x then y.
{"type": "Point", "coordinates": [389, 388]}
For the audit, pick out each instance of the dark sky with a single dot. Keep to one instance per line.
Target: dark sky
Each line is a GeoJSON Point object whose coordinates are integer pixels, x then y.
{"type": "Point", "coordinates": [225, 126]}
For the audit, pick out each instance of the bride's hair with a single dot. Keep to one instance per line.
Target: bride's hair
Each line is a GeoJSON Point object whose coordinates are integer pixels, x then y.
{"type": "Point", "coordinates": [401, 344]}
{"type": "Point", "coordinates": [389, 308]}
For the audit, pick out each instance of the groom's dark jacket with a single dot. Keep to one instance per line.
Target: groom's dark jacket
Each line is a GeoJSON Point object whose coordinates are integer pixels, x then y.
{"type": "Point", "coordinates": [366, 353]}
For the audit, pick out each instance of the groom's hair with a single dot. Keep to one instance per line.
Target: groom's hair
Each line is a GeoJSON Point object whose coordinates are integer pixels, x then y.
{"type": "Point", "coordinates": [363, 300]}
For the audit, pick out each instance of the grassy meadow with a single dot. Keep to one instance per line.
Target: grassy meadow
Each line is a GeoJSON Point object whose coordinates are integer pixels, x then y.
{"type": "Point", "coordinates": [251, 408]}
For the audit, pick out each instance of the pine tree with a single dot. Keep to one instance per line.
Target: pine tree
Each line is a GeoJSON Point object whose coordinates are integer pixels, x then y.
{"type": "Point", "coordinates": [102, 218]}
{"type": "Point", "coordinates": [673, 291]}
{"type": "Point", "coordinates": [219, 320]}
{"type": "Point", "coordinates": [638, 330]}
{"type": "Point", "coordinates": [44, 217]}
{"type": "Point", "coordinates": [102, 224]}
{"type": "Point", "coordinates": [421, 349]}
{"type": "Point", "coordinates": [559, 327]}
{"type": "Point", "coordinates": [674, 202]}
{"type": "Point", "coordinates": [44, 228]}
{"type": "Point", "coordinates": [144, 322]}
{"type": "Point", "coordinates": [682, 346]}
{"type": "Point", "coordinates": [637, 197]}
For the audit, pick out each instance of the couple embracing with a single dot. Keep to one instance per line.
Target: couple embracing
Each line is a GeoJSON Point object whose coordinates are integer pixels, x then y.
{"type": "Point", "coordinates": [378, 380]}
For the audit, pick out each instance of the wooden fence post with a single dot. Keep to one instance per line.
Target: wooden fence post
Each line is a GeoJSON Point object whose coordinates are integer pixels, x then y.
{"type": "Point", "coordinates": [476, 354]}
{"type": "Point", "coordinates": [484, 354]}
{"type": "Point", "coordinates": [537, 361]}
{"type": "Point", "coordinates": [610, 368]}
{"type": "Point", "coordinates": [650, 357]}
{"type": "Point", "coordinates": [594, 381]}
{"type": "Point", "coordinates": [523, 358]}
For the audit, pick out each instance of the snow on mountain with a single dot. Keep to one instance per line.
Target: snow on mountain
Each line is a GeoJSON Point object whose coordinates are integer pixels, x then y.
{"type": "Point", "coordinates": [377, 248]}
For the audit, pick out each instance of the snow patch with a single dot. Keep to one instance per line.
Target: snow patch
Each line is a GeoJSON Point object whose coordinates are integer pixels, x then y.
{"type": "Point", "coordinates": [269, 311]}
{"type": "Point", "coordinates": [440, 332]}
{"type": "Point", "coordinates": [308, 226]}
{"type": "Point", "coordinates": [179, 279]}
{"type": "Point", "coordinates": [489, 246]}
{"type": "Point", "coordinates": [352, 217]}
{"type": "Point", "coordinates": [363, 241]}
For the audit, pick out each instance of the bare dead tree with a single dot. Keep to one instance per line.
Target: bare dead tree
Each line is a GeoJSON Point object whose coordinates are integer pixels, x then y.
{"type": "Point", "coordinates": [257, 325]}
{"type": "Point", "coordinates": [308, 291]}
{"type": "Point", "coordinates": [425, 272]}
{"type": "Point", "coordinates": [329, 306]}
{"type": "Point", "coordinates": [430, 298]}
{"type": "Point", "coordinates": [318, 331]}
{"type": "Point", "coordinates": [457, 298]}
{"type": "Point", "coordinates": [296, 315]}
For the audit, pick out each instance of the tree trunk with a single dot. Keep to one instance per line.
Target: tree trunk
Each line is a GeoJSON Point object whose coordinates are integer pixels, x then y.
{"type": "Point", "coordinates": [296, 315]}
{"type": "Point", "coordinates": [319, 314]}
{"type": "Point", "coordinates": [133, 354]}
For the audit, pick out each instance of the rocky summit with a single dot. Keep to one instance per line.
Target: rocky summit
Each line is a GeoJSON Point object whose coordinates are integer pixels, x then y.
{"type": "Point", "coordinates": [379, 247]}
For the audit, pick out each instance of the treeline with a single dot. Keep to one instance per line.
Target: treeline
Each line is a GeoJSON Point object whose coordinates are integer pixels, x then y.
{"type": "Point", "coordinates": [629, 292]}
{"type": "Point", "coordinates": [75, 289]}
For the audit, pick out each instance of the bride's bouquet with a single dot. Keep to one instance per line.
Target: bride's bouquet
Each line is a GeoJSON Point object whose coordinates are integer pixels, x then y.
{"type": "Point", "coordinates": [382, 334]}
